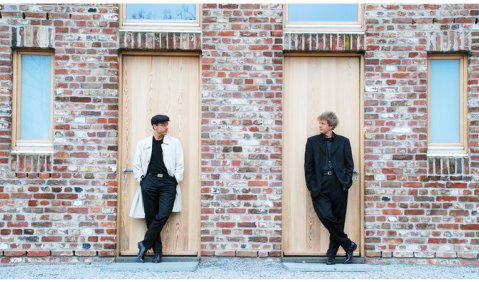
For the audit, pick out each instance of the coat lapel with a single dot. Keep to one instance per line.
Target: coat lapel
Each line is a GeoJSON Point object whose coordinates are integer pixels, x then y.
{"type": "Point", "coordinates": [335, 144]}
{"type": "Point", "coordinates": [148, 148]}
{"type": "Point", "coordinates": [322, 144]}
{"type": "Point", "coordinates": [166, 148]}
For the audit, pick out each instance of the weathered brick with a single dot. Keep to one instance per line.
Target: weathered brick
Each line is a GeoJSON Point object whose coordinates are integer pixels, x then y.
{"type": "Point", "coordinates": [385, 69]}
{"type": "Point", "coordinates": [38, 253]}
{"type": "Point", "coordinates": [224, 253]}
{"type": "Point", "coordinates": [470, 227]}
{"type": "Point", "coordinates": [407, 192]}
{"type": "Point", "coordinates": [238, 84]}
{"type": "Point", "coordinates": [246, 253]}
{"type": "Point", "coordinates": [36, 183]}
{"type": "Point", "coordinates": [85, 253]}
{"type": "Point", "coordinates": [67, 253]}
{"type": "Point", "coordinates": [14, 253]}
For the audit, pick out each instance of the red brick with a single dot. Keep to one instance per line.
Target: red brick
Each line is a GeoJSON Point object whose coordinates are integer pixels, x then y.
{"type": "Point", "coordinates": [447, 226]}
{"type": "Point", "coordinates": [38, 253]}
{"type": "Point", "coordinates": [257, 183]}
{"type": "Point", "coordinates": [437, 240]}
{"type": "Point", "coordinates": [14, 253]}
{"type": "Point", "coordinates": [225, 224]}
{"type": "Point", "coordinates": [44, 196]}
{"type": "Point", "coordinates": [413, 212]}
{"type": "Point", "coordinates": [224, 253]}
{"type": "Point", "coordinates": [77, 210]}
{"type": "Point", "coordinates": [226, 33]}
{"type": "Point", "coordinates": [51, 239]}
{"type": "Point", "coordinates": [446, 199]}
{"type": "Point", "coordinates": [469, 226]}
{"type": "Point", "coordinates": [392, 212]}
{"type": "Point", "coordinates": [246, 253]}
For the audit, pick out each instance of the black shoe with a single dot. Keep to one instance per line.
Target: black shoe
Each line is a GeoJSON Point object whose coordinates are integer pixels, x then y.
{"type": "Point", "coordinates": [157, 250]}
{"type": "Point", "coordinates": [330, 261]}
{"type": "Point", "coordinates": [141, 253]}
{"type": "Point", "coordinates": [156, 258]}
{"type": "Point", "coordinates": [350, 252]}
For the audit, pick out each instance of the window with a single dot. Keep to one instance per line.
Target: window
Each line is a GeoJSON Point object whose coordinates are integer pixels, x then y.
{"type": "Point", "coordinates": [33, 103]}
{"type": "Point", "coordinates": [446, 103]}
{"type": "Point", "coordinates": [160, 16]}
{"type": "Point", "coordinates": [323, 17]}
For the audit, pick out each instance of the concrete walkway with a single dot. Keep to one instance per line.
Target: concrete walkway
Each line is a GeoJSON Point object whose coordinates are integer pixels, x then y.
{"type": "Point", "coordinates": [234, 268]}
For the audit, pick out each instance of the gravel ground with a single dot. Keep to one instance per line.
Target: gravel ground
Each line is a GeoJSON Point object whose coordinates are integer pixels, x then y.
{"type": "Point", "coordinates": [234, 268]}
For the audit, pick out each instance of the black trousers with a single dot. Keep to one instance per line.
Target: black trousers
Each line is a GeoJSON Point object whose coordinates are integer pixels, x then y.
{"type": "Point", "coordinates": [158, 199]}
{"type": "Point", "coordinates": [330, 206]}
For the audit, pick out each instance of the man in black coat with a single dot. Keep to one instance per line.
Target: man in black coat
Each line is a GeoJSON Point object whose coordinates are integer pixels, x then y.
{"type": "Point", "coordinates": [328, 168]}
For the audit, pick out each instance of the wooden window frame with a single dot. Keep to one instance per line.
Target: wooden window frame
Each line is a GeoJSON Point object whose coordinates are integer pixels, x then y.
{"type": "Point", "coordinates": [449, 149]}
{"type": "Point", "coordinates": [323, 26]}
{"type": "Point", "coordinates": [160, 25]}
{"type": "Point", "coordinates": [29, 146]}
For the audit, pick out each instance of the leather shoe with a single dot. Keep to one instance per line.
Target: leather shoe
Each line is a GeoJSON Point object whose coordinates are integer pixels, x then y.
{"type": "Point", "coordinates": [156, 258]}
{"type": "Point", "coordinates": [141, 253]}
{"type": "Point", "coordinates": [330, 261]}
{"type": "Point", "coordinates": [350, 252]}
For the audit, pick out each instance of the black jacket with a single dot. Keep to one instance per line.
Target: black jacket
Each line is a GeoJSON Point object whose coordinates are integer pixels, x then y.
{"type": "Point", "coordinates": [316, 155]}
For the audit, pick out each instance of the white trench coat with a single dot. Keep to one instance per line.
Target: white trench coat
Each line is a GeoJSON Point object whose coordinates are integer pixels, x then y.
{"type": "Point", "coordinates": [173, 159]}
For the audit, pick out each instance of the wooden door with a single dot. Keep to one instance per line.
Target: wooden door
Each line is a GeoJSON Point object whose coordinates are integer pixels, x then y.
{"type": "Point", "coordinates": [314, 85]}
{"type": "Point", "coordinates": [161, 85]}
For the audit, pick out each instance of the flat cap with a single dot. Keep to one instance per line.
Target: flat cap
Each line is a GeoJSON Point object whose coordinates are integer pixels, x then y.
{"type": "Point", "coordinates": [159, 118]}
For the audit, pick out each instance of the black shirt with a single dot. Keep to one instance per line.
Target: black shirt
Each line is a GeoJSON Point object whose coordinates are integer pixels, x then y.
{"type": "Point", "coordinates": [156, 162]}
{"type": "Point", "coordinates": [328, 166]}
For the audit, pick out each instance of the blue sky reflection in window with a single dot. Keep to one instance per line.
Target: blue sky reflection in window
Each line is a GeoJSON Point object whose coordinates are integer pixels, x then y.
{"type": "Point", "coordinates": [445, 107]}
{"type": "Point", "coordinates": [323, 12]}
{"type": "Point", "coordinates": [35, 112]}
{"type": "Point", "coordinates": [161, 11]}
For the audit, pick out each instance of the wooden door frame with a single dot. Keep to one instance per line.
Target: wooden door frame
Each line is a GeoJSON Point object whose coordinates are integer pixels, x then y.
{"type": "Point", "coordinates": [120, 132]}
{"type": "Point", "coordinates": [361, 136]}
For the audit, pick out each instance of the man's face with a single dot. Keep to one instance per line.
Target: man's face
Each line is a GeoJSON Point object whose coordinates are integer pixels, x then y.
{"type": "Point", "coordinates": [161, 128]}
{"type": "Point", "coordinates": [324, 127]}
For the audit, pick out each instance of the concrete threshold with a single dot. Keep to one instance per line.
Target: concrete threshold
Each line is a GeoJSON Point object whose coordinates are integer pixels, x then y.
{"type": "Point", "coordinates": [318, 264]}
{"type": "Point", "coordinates": [301, 259]}
{"type": "Point", "coordinates": [321, 267]}
{"type": "Point", "coordinates": [168, 264]}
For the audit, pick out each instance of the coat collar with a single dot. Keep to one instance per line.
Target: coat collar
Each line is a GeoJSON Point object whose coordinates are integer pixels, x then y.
{"type": "Point", "coordinates": [166, 141]}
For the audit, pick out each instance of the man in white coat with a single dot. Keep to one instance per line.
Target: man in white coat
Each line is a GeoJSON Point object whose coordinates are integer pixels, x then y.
{"type": "Point", "coordinates": [158, 167]}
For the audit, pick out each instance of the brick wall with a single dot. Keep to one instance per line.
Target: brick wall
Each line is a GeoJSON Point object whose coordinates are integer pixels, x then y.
{"type": "Point", "coordinates": [241, 130]}
{"type": "Point", "coordinates": [67, 207]}
{"type": "Point", "coordinates": [417, 206]}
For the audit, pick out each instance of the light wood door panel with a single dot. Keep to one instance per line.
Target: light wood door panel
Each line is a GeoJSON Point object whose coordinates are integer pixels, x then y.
{"type": "Point", "coordinates": [314, 85]}
{"type": "Point", "coordinates": [161, 85]}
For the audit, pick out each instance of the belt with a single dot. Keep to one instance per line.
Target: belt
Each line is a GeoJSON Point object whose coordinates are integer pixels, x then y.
{"type": "Point", "coordinates": [329, 172]}
{"type": "Point", "coordinates": [159, 175]}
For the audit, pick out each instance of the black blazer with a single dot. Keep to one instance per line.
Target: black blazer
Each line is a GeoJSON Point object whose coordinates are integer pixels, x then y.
{"type": "Point", "coordinates": [316, 155]}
